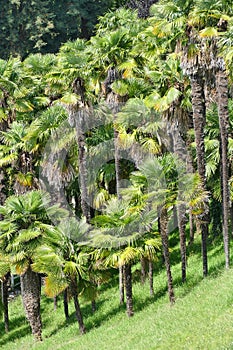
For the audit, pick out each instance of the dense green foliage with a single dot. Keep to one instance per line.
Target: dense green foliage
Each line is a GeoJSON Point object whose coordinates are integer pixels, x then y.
{"type": "Point", "coordinates": [128, 135]}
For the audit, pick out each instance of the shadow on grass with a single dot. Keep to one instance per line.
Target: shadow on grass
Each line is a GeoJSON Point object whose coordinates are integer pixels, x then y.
{"type": "Point", "coordinates": [91, 320]}
{"type": "Point", "coordinates": [20, 328]}
{"type": "Point", "coordinates": [95, 320]}
{"type": "Point", "coordinates": [16, 330]}
{"type": "Point", "coordinates": [139, 304]}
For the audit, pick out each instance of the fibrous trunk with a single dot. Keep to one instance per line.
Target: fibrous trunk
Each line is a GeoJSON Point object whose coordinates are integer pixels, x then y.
{"type": "Point", "coordinates": [191, 227]}
{"type": "Point", "coordinates": [65, 303]}
{"type": "Point", "coordinates": [199, 120]}
{"type": "Point", "coordinates": [151, 281]}
{"type": "Point", "coordinates": [121, 284]}
{"type": "Point", "coordinates": [113, 102]}
{"type": "Point", "coordinates": [180, 151]}
{"type": "Point", "coordinates": [30, 288]}
{"type": "Point", "coordinates": [80, 121]}
{"type": "Point", "coordinates": [78, 313]}
{"type": "Point", "coordinates": [222, 88]}
{"type": "Point", "coordinates": [143, 269]}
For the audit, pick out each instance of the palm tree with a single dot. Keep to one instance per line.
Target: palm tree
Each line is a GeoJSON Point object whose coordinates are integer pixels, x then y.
{"type": "Point", "coordinates": [110, 50]}
{"type": "Point", "coordinates": [115, 235]}
{"type": "Point", "coordinates": [14, 101]}
{"type": "Point", "coordinates": [114, 102]}
{"type": "Point", "coordinates": [209, 28]}
{"type": "Point", "coordinates": [155, 175]}
{"type": "Point", "coordinates": [126, 232]}
{"type": "Point", "coordinates": [162, 178]}
{"type": "Point", "coordinates": [72, 62]}
{"type": "Point", "coordinates": [179, 150]}
{"type": "Point", "coordinates": [25, 98]}
{"type": "Point", "coordinates": [24, 227]}
{"type": "Point", "coordinates": [63, 264]}
{"type": "Point", "coordinates": [193, 63]}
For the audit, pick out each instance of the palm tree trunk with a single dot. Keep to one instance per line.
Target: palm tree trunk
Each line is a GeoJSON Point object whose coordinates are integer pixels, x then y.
{"type": "Point", "coordinates": [182, 226]}
{"type": "Point", "coordinates": [5, 301]}
{"type": "Point", "coordinates": [231, 218]}
{"type": "Point", "coordinates": [191, 227]}
{"type": "Point", "coordinates": [222, 88]}
{"type": "Point", "coordinates": [164, 235]}
{"type": "Point", "coordinates": [175, 216]}
{"type": "Point", "coordinates": [30, 288]}
{"type": "Point", "coordinates": [190, 170]}
{"type": "Point", "coordinates": [113, 100]}
{"type": "Point", "coordinates": [117, 163]}
{"type": "Point", "coordinates": [128, 289]}
{"type": "Point", "coordinates": [121, 285]}
{"type": "Point", "coordinates": [117, 174]}
{"type": "Point", "coordinates": [65, 303]}
{"type": "Point", "coordinates": [216, 215]}
{"type": "Point", "coordinates": [78, 118]}
{"type": "Point", "coordinates": [151, 280]}
{"type": "Point", "coordinates": [199, 119]}
{"type": "Point", "coordinates": [143, 261]}
{"type": "Point", "coordinates": [83, 171]}
{"type": "Point", "coordinates": [78, 313]}
{"type": "Point", "coordinates": [179, 150]}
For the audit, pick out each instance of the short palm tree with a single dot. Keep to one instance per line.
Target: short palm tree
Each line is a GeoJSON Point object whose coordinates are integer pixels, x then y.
{"type": "Point", "coordinates": [63, 264]}
{"type": "Point", "coordinates": [26, 226]}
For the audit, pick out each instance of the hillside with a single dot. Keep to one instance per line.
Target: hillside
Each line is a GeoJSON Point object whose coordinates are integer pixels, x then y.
{"type": "Point", "coordinates": [202, 317]}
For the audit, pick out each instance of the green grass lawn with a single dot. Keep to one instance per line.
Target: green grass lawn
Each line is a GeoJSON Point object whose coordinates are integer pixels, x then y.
{"type": "Point", "coordinates": [202, 317]}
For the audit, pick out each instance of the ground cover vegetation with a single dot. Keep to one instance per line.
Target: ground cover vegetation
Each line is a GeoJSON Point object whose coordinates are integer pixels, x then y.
{"type": "Point", "coordinates": [207, 302]}
{"type": "Point", "coordinates": [110, 147]}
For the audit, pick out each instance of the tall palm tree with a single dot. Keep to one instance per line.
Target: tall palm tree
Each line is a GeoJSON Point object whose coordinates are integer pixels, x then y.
{"type": "Point", "coordinates": [72, 62]}
{"type": "Point", "coordinates": [110, 50]}
{"type": "Point", "coordinates": [155, 174]}
{"type": "Point", "coordinates": [210, 27]}
{"type": "Point", "coordinates": [193, 63]}
{"type": "Point", "coordinates": [179, 150]}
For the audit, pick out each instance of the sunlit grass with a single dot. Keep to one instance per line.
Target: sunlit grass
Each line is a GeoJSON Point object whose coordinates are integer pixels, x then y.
{"type": "Point", "coordinates": [202, 317]}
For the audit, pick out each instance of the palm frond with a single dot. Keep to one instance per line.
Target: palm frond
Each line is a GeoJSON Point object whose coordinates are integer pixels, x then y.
{"type": "Point", "coordinates": [8, 159]}
{"type": "Point", "coordinates": [27, 235]}
{"type": "Point", "coordinates": [129, 255]}
{"type": "Point", "coordinates": [4, 267]}
{"type": "Point", "coordinates": [54, 286]}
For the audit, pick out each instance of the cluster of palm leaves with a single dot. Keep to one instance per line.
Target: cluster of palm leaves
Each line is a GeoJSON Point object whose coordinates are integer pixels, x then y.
{"type": "Point", "coordinates": [106, 141]}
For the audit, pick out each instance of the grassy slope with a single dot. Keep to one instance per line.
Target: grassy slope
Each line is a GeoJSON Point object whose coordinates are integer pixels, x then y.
{"type": "Point", "coordinates": [202, 317]}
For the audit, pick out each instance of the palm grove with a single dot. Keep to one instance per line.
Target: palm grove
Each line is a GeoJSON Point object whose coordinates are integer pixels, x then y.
{"type": "Point", "coordinates": [108, 145]}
